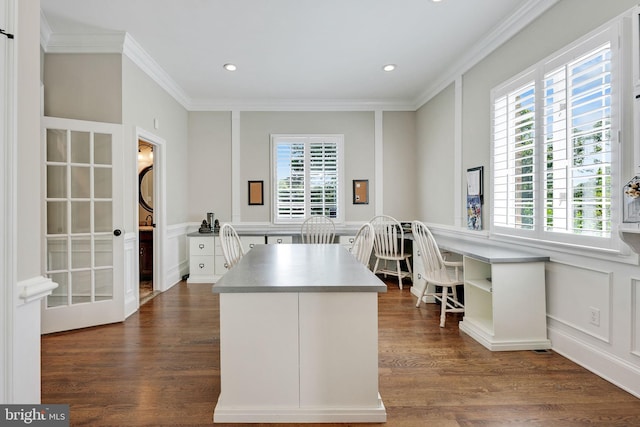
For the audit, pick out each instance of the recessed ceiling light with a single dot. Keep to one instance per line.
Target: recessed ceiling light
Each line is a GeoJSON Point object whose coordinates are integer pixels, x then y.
{"type": "Point", "coordinates": [230, 67]}
{"type": "Point", "coordinates": [389, 67]}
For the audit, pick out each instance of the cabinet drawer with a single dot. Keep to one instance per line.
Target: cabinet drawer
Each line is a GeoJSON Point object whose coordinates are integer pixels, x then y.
{"type": "Point", "coordinates": [275, 240]}
{"type": "Point", "coordinates": [201, 246]}
{"type": "Point", "coordinates": [346, 240]}
{"type": "Point", "coordinates": [248, 242]}
{"type": "Point", "coordinates": [200, 265]}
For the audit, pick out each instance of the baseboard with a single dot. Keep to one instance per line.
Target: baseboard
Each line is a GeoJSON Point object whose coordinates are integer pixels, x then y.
{"type": "Point", "coordinates": [607, 366]}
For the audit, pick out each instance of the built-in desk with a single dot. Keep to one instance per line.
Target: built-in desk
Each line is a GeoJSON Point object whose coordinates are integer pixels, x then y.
{"type": "Point", "coordinates": [299, 337]}
{"type": "Point", "coordinates": [504, 295]}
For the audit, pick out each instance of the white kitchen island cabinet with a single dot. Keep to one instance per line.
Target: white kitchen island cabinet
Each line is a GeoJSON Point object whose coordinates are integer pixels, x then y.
{"type": "Point", "coordinates": [299, 337]}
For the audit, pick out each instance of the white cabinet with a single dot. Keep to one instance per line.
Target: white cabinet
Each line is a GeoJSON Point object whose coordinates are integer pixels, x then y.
{"type": "Point", "coordinates": [278, 240]}
{"type": "Point", "coordinates": [248, 242]}
{"type": "Point", "coordinates": [505, 307]}
{"type": "Point", "coordinates": [202, 259]}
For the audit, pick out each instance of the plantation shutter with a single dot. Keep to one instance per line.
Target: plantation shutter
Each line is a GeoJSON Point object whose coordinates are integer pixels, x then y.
{"type": "Point", "coordinates": [514, 158]}
{"type": "Point", "coordinates": [577, 117]}
{"type": "Point", "coordinates": [290, 180]}
{"type": "Point", "coordinates": [307, 176]}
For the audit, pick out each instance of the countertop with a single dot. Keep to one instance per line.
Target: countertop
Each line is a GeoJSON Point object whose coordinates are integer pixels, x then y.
{"type": "Point", "coordinates": [488, 252]}
{"type": "Point", "coordinates": [299, 268]}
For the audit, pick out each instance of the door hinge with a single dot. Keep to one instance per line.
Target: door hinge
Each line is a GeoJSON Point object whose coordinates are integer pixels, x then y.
{"type": "Point", "coordinates": [9, 35]}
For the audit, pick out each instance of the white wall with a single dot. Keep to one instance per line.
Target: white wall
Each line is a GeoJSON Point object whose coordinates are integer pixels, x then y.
{"type": "Point", "coordinates": [435, 159]}
{"type": "Point", "coordinates": [83, 86]}
{"type": "Point", "coordinates": [576, 280]}
{"type": "Point", "coordinates": [400, 177]}
{"type": "Point", "coordinates": [210, 149]}
{"type": "Point", "coordinates": [210, 169]}
{"type": "Point", "coordinates": [143, 103]}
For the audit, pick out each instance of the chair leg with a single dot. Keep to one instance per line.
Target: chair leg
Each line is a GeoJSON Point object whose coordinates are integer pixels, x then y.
{"type": "Point", "coordinates": [375, 268]}
{"type": "Point", "coordinates": [409, 267]}
{"type": "Point", "coordinates": [426, 285]}
{"type": "Point", "coordinates": [399, 274]}
{"type": "Point", "coordinates": [443, 306]}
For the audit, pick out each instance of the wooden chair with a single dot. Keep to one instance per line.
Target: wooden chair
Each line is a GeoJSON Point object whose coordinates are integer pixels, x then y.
{"type": "Point", "coordinates": [318, 229]}
{"type": "Point", "coordinates": [388, 245]}
{"type": "Point", "coordinates": [437, 272]}
{"type": "Point", "coordinates": [363, 244]}
{"type": "Point", "coordinates": [231, 245]}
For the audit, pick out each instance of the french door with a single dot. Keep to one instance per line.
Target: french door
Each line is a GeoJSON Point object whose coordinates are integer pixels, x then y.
{"type": "Point", "coordinates": [83, 241]}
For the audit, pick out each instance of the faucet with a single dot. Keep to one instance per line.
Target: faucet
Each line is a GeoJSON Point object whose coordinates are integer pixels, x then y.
{"type": "Point", "coordinates": [148, 220]}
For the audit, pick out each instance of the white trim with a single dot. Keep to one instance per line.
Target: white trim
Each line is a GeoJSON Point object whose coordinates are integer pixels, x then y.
{"type": "Point", "coordinates": [606, 365]}
{"type": "Point", "coordinates": [8, 205]}
{"type": "Point", "coordinates": [35, 288]}
{"type": "Point", "coordinates": [299, 105]}
{"type": "Point", "coordinates": [131, 273]}
{"type": "Point", "coordinates": [147, 64]}
{"type": "Point", "coordinates": [378, 143]}
{"type": "Point", "coordinates": [235, 167]}
{"type": "Point", "coordinates": [301, 415]}
{"type": "Point", "coordinates": [159, 205]}
{"type": "Point", "coordinates": [458, 212]}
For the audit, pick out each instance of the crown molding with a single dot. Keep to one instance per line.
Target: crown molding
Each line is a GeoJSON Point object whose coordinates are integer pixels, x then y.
{"type": "Point", "coordinates": [134, 51]}
{"type": "Point", "coordinates": [299, 105]}
{"type": "Point", "coordinates": [524, 16]}
{"type": "Point", "coordinates": [45, 30]}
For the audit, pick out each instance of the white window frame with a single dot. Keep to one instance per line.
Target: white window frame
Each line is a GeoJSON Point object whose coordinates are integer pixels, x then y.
{"type": "Point", "coordinates": [306, 139]}
{"type": "Point", "coordinates": [610, 33]}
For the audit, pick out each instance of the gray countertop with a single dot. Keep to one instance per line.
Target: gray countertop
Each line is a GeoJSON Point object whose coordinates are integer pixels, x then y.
{"type": "Point", "coordinates": [299, 268]}
{"type": "Point", "coordinates": [488, 252]}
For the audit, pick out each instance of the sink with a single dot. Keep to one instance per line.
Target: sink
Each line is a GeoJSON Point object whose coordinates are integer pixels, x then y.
{"type": "Point", "coordinates": [145, 228]}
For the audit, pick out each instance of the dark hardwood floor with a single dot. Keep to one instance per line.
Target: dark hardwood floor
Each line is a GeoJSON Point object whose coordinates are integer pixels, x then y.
{"type": "Point", "coordinates": [161, 368]}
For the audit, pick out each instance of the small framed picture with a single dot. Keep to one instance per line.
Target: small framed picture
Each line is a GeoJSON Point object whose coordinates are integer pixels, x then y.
{"type": "Point", "coordinates": [360, 191]}
{"type": "Point", "coordinates": [475, 182]}
{"type": "Point", "coordinates": [256, 192]}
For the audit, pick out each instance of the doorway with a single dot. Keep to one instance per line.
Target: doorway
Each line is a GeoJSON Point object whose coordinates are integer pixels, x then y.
{"type": "Point", "coordinates": [146, 222]}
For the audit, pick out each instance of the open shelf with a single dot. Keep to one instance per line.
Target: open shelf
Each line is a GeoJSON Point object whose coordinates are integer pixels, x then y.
{"type": "Point", "coordinates": [483, 284]}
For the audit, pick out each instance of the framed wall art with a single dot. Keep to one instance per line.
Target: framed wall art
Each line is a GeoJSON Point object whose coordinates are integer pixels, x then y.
{"type": "Point", "coordinates": [256, 192]}
{"type": "Point", "coordinates": [360, 191]}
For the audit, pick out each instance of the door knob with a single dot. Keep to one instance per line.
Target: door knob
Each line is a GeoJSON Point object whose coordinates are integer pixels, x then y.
{"type": "Point", "coordinates": [117, 232]}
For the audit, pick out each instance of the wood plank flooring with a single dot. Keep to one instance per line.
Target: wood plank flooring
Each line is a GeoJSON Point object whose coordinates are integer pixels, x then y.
{"type": "Point", "coordinates": [161, 368]}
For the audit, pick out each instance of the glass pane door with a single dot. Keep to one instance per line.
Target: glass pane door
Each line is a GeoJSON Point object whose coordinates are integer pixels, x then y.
{"type": "Point", "coordinates": [79, 242]}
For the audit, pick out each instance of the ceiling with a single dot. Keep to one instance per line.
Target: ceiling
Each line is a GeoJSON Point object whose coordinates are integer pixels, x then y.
{"type": "Point", "coordinates": [293, 52]}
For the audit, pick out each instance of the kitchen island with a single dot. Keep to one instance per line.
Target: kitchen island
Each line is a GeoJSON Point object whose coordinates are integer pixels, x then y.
{"type": "Point", "coordinates": [299, 337]}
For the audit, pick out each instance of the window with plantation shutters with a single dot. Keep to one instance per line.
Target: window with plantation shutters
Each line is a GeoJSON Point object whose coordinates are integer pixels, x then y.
{"type": "Point", "coordinates": [307, 176]}
{"type": "Point", "coordinates": [553, 160]}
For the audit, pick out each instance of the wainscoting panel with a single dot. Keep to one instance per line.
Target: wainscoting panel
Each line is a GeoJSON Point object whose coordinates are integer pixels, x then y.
{"type": "Point", "coordinates": [635, 316]}
{"type": "Point", "coordinates": [176, 254]}
{"type": "Point", "coordinates": [130, 274]}
{"type": "Point", "coordinates": [580, 298]}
